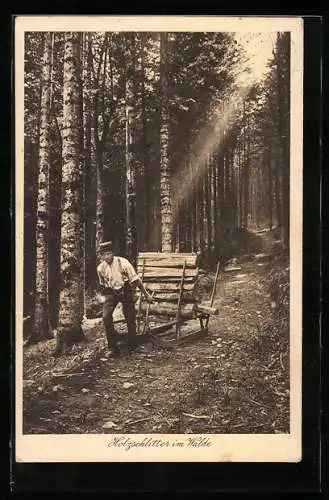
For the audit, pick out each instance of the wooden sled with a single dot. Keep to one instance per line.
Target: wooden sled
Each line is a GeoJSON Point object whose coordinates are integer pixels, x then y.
{"type": "Point", "coordinates": [171, 278]}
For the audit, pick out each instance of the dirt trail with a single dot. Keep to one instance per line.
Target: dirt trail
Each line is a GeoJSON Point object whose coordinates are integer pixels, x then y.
{"type": "Point", "coordinates": [233, 381]}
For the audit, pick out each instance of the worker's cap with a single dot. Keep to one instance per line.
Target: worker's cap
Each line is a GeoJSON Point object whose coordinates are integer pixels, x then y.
{"type": "Point", "coordinates": [106, 246]}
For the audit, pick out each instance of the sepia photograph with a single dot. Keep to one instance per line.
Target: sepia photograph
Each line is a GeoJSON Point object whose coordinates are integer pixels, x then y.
{"type": "Point", "coordinates": [158, 234]}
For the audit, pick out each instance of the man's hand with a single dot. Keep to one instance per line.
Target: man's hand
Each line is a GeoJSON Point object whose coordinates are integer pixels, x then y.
{"type": "Point", "coordinates": [149, 298]}
{"type": "Point", "coordinates": [100, 298]}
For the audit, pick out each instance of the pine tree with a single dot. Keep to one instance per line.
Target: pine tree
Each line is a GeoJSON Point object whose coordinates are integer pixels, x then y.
{"type": "Point", "coordinates": [42, 328]}
{"type": "Point", "coordinates": [165, 177]}
{"type": "Point", "coordinates": [71, 294]}
{"type": "Point", "coordinates": [131, 233]}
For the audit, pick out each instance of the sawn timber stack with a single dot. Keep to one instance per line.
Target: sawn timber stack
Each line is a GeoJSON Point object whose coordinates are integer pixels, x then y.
{"type": "Point", "coordinates": [171, 278]}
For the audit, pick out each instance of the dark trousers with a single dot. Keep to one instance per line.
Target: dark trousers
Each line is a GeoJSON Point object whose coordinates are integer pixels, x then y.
{"type": "Point", "coordinates": [112, 299]}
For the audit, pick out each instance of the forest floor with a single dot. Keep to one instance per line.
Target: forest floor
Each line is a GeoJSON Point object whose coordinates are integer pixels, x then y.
{"type": "Point", "coordinates": [235, 380]}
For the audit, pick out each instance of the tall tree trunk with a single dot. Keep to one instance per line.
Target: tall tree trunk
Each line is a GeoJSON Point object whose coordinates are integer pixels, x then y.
{"type": "Point", "coordinates": [192, 209]}
{"type": "Point", "coordinates": [199, 216]}
{"type": "Point", "coordinates": [245, 170]}
{"type": "Point", "coordinates": [55, 181]}
{"type": "Point", "coordinates": [234, 192]}
{"type": "Point", "coordinates": [213, 206]}
{"type": "Point", "coordinates": [217, 205]}
{"type": "Point", "coordinates": [146, 187]}
{"type": "Point", "coordinates": [99, 199]}
{"type": "Point", "coordinates": [286, 148]}
{"type": "Point", "coordinates": [208, 197]}
{"type": "Point", "coordinates": [205, 249]}
{"type": "Point", "coordinates": [237, 187]}
{"type": "Point", "coordinates": [269, 195]}
{"type": "Point", "coordinates": [221, 179]}
{"type": "Point", "coordinates": [131, 234]}
{"type": "Point", "coordinates": [229, 187]}
{"type": "Point", "coordinates": [165, 177]}
{"type": "Point", "coordinates": [71, 294]}
{"type": "Point", "coordinates": [42, 328]}
{"type": "Point", "coordinates": [240, 190]}
{"type": "Point", "coordinates": [99, 140]}
{"type": "Point", "coordinates": [278, 196]}
{"type": "Point", "coordinates": [255, 193]}
{"type": "Point", "coordinates": [227, 192]}
{"type": "Point", "coordinates": [283, 78]}
{"type": "Point", "coordinates": [177, 235]}
{"type": "Point", "coordinates": [90, 176]}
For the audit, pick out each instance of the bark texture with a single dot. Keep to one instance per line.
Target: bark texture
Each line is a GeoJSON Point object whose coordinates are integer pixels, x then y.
{"type": "Point", "coordinates": [42, 328]}
{"type": "Point", "coordinates": [71, 295]}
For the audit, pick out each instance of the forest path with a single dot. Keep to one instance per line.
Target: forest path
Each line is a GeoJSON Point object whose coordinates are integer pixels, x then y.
{"type": "Point", "coordinates": [236, 380]}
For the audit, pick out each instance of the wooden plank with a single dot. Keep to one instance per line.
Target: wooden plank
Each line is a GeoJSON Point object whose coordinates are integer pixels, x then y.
{"type": "Point", "coordinates": [166, 333]}
{"type": "Point", "coordinates": [167, 287]}
{"type": "Point", "coordinates": [158, 259]}
{"type": "Point", "coordinates": [173, 297]}
{"type": "Point", "coordinates": [161, 328]}
{"type": "Point", "coordinates": [169, 309]}
{"type": "Point", "coordinates": [165, 272]}
{"type": "Point", "coordinates": [178, 264]}
{"type": "Point", "coordinates": [201, 308]}
{"type": "Point", "coordinates": [165, 329]}
{"type": "Point", "coordinates": [164, 279]}
{"type": "Point", "coordinates": [232, 269]}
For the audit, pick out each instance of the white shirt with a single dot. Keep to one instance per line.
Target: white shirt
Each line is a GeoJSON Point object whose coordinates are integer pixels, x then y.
{"type": "Point", "coordinates": [113, 275]}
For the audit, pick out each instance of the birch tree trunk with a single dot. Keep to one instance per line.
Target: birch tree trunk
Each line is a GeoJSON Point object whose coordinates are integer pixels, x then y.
{"type": "Point", "coordinates": [146, 188]}
{"type": "Point", "coordinates": [99, 139]}
{"type": "Point", "coordinates": [71, 294]}
{"type": "Point", "coordinates": [165, 178]}
{"type": "Point", "coordinates": [99, 199]}
{"type": "Point", "coordinates": [90, 174]}
{"type": "Point", "coordinates": [131, 232]}
{"type": "Point", "coordinates": [42, 328]}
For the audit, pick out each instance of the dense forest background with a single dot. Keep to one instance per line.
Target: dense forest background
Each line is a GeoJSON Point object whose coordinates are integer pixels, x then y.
{"type": "Point", "coordinates": [146, 139]}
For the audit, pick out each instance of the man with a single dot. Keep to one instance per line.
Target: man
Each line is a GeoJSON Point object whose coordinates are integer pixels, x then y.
{"type": "Point", "coordinates": [116, 277]}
